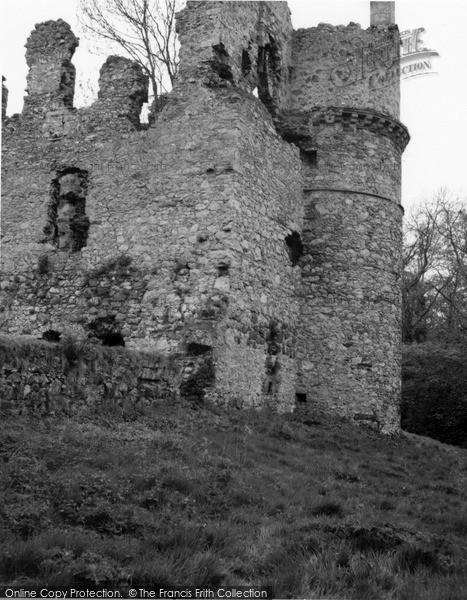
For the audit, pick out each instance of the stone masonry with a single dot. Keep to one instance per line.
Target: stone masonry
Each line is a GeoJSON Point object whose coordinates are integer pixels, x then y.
{"type": "Point", "coordinates": [251, 233]}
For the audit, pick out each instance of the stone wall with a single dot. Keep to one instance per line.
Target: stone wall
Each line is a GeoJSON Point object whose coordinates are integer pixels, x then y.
{"type": "Point", "coordinates": [69, 378]}
{"type": "Point", "coordinates": [155, 235]}
{"type": "Point", "coordinates": [253, 53]}
{"type": "Point", "coordinates": [257, 356]}
{"type": "Point", "coordinates": [346, 66]}
{"type": "Point", "coordinates": [362, 154]}
{"type": "Point", "coordinates": [343, 115]}
{"type": "Point", "coordinates": [51, 77]}
{"type": "Point", "coordinates": [350, 335]}
{"type": "Point", "coordinates": [252, 238]}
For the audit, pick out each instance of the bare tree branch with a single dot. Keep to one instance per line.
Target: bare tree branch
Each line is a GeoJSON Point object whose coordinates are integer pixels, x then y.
{"type": "Point", "coordinates": [143, 29]}
{"type": "Point", "coordinates": [435, 268]}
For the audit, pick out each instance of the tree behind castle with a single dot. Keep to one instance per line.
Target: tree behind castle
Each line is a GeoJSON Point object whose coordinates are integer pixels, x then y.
{"type": "Point", "coordinates": [143, 29]}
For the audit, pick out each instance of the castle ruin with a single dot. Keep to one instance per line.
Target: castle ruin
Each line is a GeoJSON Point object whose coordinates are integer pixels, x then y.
{"type": "Point", "coordinates": [251, 233]}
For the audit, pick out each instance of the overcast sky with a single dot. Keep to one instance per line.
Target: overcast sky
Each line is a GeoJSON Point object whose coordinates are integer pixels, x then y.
{"type": "Point", "coordinates": [434, 107]}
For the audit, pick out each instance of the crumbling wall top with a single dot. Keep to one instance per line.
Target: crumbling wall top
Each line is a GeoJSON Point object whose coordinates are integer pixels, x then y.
{"type": "Point", "coordinates": [346, 66]}
{"type": "Point", "coordinates": [51, 77]}
{"type": "Point", "coordinates": [240, 44]}
{"type": "Point", "coordinates": [51, 39]}
{"type": "Point", "coordinates": [122, 77]}
{"type": "Point", "coordinates": [4, 98]}
{"type": "Point", "coordinates": [329, 27]}
{"type": "Point", "coordinates": [123, 87]}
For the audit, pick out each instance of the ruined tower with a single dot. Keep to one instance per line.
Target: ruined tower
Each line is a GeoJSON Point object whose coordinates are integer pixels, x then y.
{"type": "Point", "coordinates": [250, 235]}
{"type": "Point", "coordinates": [346, 88]}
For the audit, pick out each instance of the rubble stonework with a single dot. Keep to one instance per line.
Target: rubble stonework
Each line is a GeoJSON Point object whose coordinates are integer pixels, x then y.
{"type": "Point", "coordinates": [51, 77]}
{"type": "Point", "coordinates": [4, 98]}
{"type": "Point", "coordinates": [254, 240]}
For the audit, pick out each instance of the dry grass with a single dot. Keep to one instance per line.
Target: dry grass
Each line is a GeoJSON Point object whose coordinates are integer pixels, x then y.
{"type": "Point", "coordinates": [203, 498]}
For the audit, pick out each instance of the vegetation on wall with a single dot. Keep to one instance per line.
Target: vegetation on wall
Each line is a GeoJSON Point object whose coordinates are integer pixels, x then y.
{"type": "Point", "coordinates": [68, 376]}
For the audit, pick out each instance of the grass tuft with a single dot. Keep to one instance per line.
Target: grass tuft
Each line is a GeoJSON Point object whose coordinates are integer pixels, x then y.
{"type": "Point", "coordinates": [409, 558]}
{"type": "Point", "coordinates": [73, 350]}
{"type": "Point", "coordinates": [329, 509]}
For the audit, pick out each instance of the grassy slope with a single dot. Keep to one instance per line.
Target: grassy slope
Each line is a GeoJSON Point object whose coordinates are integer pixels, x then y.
{"type": "Point", "coordinates": [200, 498]}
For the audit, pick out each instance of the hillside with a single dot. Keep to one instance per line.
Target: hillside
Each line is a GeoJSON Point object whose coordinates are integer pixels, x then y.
{"type": "Point", "coordinates": [314, 508]}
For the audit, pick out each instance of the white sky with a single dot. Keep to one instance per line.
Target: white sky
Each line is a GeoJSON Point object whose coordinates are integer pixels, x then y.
{"type": "Point", "coordinates": [434, 108]}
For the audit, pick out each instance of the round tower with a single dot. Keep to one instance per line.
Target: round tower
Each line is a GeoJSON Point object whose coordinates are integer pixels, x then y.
{"type": "Point", "coordinates": [346, 83]}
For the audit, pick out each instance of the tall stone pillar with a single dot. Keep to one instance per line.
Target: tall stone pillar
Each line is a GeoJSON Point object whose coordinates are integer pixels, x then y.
{"type": "Point", "coordinates": [382, 13]}
{"type": "Point", "coordinates": [51, 77]}
{"type": "Point", "coordinates": [4, 98]}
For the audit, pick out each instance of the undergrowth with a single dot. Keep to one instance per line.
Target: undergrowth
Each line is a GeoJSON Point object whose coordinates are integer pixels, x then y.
{"type": "Point", "coordinates": [203, 498]}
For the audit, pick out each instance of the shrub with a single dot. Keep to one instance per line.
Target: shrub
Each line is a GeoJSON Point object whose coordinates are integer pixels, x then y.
{"type": "Point", "coordinates": [20, 558]}
{"type": "Point", "coordinates": [73, 350]}
{"type": "Point", "coordinates": [434, 392]}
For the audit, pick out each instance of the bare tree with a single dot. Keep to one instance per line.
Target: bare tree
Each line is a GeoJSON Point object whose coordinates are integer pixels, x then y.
{"type": "Point", "coordinates": [143, 29]}
{"type": "Point", "coordinates": [435, 269]}
{"type": "Point", "coordinates": [422, 245]}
